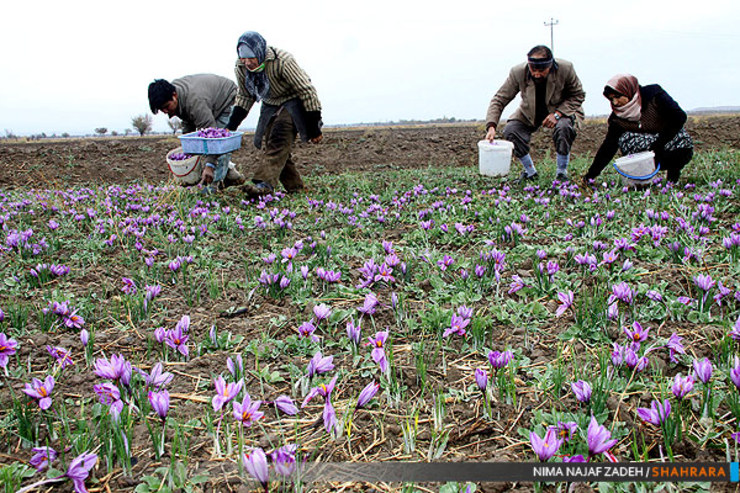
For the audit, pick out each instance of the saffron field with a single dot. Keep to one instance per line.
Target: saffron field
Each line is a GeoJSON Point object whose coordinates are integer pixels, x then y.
{"type": "Point", "coordinates": [156, 339]}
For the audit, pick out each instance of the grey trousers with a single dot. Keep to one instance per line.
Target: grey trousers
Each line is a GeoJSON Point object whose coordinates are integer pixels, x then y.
{"type": "Point", "coordinates": [520, 134]}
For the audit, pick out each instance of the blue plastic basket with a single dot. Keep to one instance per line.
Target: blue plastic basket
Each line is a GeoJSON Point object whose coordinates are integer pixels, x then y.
{"type": "Point", "coordinates": [192, 144]}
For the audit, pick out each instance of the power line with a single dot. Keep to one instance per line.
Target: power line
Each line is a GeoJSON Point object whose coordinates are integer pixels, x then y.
{"type": "Point", "coordinates": [552, 23]}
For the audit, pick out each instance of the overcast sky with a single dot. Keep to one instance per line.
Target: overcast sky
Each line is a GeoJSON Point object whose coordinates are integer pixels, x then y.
{"type": "Point", "coordinates": [77, 65]}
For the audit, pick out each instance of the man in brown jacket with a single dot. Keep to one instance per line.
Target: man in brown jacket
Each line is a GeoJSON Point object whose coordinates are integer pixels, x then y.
{"type": "Point", "coordinates": [551, 95]}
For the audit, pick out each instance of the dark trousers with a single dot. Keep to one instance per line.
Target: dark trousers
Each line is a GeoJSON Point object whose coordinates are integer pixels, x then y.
{"type": "Point", "coordinates": [520, 134]}
{"type": "Point", "coordinates": [277, 164]}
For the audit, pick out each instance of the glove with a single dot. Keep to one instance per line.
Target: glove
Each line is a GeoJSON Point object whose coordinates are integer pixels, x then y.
{"type": "Point", "coordinates": [313, 124]}
{"type": "Point", "coordinates": [238, 114]}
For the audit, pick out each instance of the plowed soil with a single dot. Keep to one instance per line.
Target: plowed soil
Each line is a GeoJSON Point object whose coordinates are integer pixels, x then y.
{"type": "Point", "coordinates": [119, 160]}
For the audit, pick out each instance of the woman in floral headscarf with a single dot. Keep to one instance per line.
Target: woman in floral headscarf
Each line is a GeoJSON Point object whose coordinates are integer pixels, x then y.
{"type": "Point", "coordinates": [290, 106]}
{"type": "Point", "coordinates": [644, 118]}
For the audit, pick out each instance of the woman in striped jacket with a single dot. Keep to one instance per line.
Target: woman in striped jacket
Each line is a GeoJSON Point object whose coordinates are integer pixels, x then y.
{"type": "Point", "coordinates": [290, 106]}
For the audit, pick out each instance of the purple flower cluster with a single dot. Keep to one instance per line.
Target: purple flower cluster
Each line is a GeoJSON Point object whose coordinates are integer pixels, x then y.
{"type": "Point", "coordinates": [460, 320]}
{"type": "Point", "coordinates": [67, 317]}
{"type": "Point", "coordinates": [213, 133]}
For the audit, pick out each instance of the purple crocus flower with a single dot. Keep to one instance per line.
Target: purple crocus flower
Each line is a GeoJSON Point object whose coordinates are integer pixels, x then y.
{"type": "Point", "coordinates": [160, 333]}
{"type": "Point", "coordinates": [498, 359]}
{"type": "Point", "coordinates": [84, 337]}
{"type": "Point", "coordinates": [73, 321]}
{"type": "Point", "coordinates": [160, 402]}
{"type": "Point", "coordinates": [654, 295]}
{"type": "Point", "coordinates": [321, 312]}
{"type": "Point", "coordinates": [285, 404]}
{"type": "Point", "coordinates": [545, 447]}
{"type": "Point", "coordinates": [675, 346]}
{"type": "Point", "coordinates": [152, 291]}
{"type": "Point", "coordinates": [107, 392]}
{"type": "Point", "coordinates": [582, 391]}
{"type": "Point", "coordinates": [112, 369]}
{"type": "Point", "coordinates": [247, 412]}
{"type": "Point", "coordinates": [734, 332]}
{"type": "Point", "coordinates": [735, 373]}
{"type": "Point", "coordinates": [330, 417]}
{"type": "Point", "coordinates": [370, 304]}
{"type": "Point", "coordinates": [465, 312]}
{"type": "Point", "coordinates": [457, 326]}
{"type": "Point", "coordinates": [378, 353]}
{"type": "Point", "coordinates": [704, 282]}
{"type": "Point", "coordinates": [367, 394]}
{"type": "Point", "coordinates": [445, 262]}
{"type": "Point", "coordinates": [177, 339]}
{"type": "Point", "coordinates": [622, 292]}
{"type": "Point", "coordinates": [656, 413]}
{"type": "Point", "coordinates": [703, 370]}
{"type": "Point", "coordinates": [129, 286]}
{"type": "Point", "coordinates": [517, 283]}
{"type": "Point", "coordinates": [79, 469]}
{"type": "Point", "coordinates": [599, 438]}
{"type": "Point", "coordinates": [284, 460]}
{"type": "Point", "coordinates": [385, 274]}
{"type": "Point", "coordinates": [636, 334]}
{"type": "Point", "coordinates": [565, 429]}
{"type": "Point", "coordinates": [481, 378]}
{"type": "Point", "coordinates": [42, 457]}
{"type": "Point", "coordinates": [225, 392]}
{"type": "Point", "coordinates": [322, 390]}
{"type": "Point", "coordinates": [354, 332]}
{"type": "Point", "coordinates": [158, 378]}
{"type": "Point", "coordinates": [574, 458]}
{"type": "Point", "coordinates": [40, 391]}
{"type": "Point", "coordinates": [235, 366]}
{"type": "Point", "coordinates": [565, 300]}
{"type": "Point", "coordinates": [255, 462]}
{"type": "Point", "coordinates": [63, 356]}
{"type": "Point", "coordinates": [682, 385]}
{"type": "Point", "coordinates": [319, 364]}
{"type": "Point", "coordinates": [7, 349]}
{"type": "Point", "coordinates": [307, 329]}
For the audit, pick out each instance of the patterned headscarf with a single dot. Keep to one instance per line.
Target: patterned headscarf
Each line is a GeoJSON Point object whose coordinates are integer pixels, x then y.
{"type": "Point", "coordinates": [256, 82]}
{"type": "Point", "coordinates": [627, 85]}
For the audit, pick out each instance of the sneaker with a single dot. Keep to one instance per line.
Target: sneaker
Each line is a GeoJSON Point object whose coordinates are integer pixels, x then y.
{"type": "Point", "coordinates": [561, 176]}
{"type": "Point", "coordinates": [525, 177]}
{"type": "Point", "coordinates": [258, 189]}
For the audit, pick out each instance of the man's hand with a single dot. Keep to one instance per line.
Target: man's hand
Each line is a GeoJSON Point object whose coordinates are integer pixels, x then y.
{"type": "Point", "coordinates": [206, 176]}
{"type": "Point", "coordinates": [318, 139]}
{"type": "Point", "coordinates": [550, 120]}
{"type": "Point", "coordinates": [491, 134]}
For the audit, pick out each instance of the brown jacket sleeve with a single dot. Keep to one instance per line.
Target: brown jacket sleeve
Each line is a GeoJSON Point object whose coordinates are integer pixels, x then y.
{"type": "Point", "coordinates": [573, 95]}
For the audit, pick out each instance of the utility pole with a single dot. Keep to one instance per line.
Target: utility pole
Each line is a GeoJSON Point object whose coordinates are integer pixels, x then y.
{"type": "Point", "coordinates": [552, 23]}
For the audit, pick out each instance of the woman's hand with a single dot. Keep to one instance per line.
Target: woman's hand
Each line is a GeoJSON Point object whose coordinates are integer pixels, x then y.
{"type": "Point", "coordinates": [491, 134]}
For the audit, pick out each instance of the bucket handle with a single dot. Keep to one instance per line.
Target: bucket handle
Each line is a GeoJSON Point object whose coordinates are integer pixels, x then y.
{"type": "Point", "coordinates": [643, 178]}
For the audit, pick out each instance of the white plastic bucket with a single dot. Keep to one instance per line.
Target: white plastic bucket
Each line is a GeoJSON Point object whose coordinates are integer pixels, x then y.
{"type": "Point", "coordinates": [494, 158]}
{"type": "Point", "coordinates": [636, 169]}
{"type": "Point", "coordinates": [186, 171]}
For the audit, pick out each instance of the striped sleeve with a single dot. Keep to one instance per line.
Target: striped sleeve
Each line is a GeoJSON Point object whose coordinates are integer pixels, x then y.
{"type": "Point", "coordinates": [299, 83]}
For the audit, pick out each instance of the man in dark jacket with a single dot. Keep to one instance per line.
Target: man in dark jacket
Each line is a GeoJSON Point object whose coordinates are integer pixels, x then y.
{"type": "Point", "coordinates": [200, 101]}
{"type": "Point", "coordinates": [551, 95]}
{"type": "Point", "coordinates": [290, 106]}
